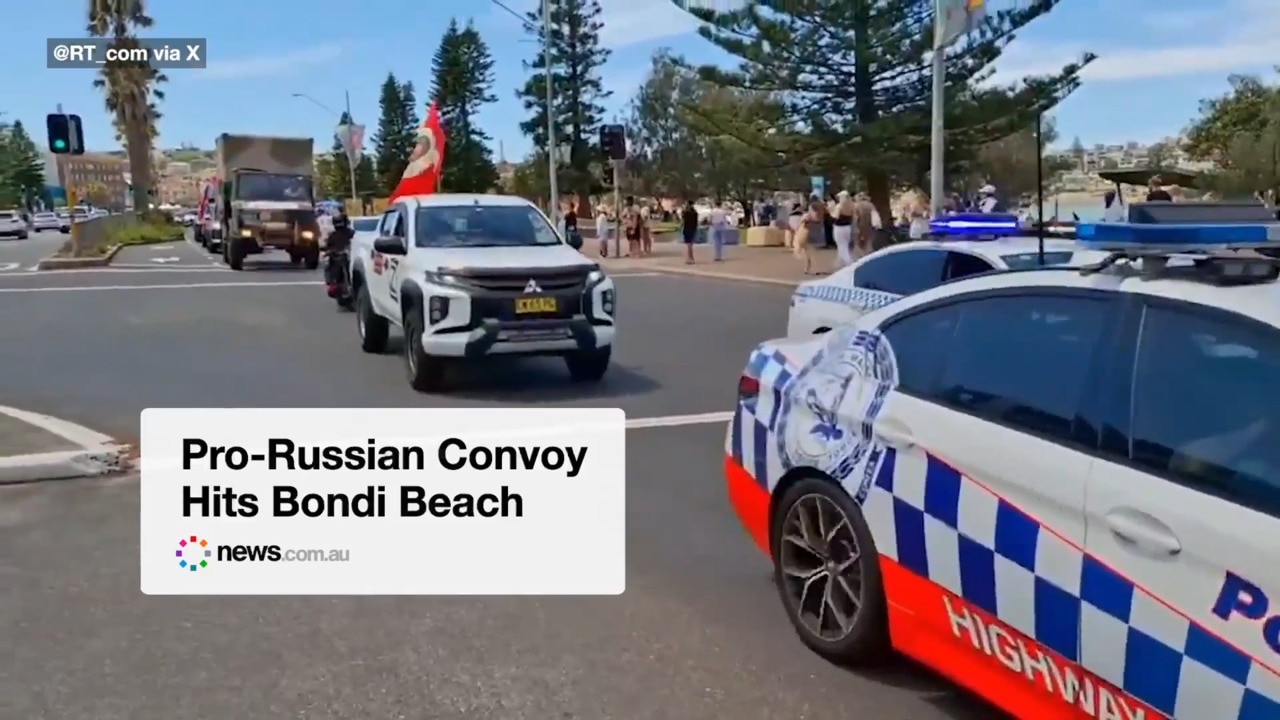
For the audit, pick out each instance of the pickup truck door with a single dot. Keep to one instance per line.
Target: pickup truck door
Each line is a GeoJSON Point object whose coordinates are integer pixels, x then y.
{"type": "Point", "coordinates": [383, 268]}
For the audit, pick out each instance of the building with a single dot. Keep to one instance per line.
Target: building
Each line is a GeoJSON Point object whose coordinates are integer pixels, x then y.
{"type": "Point", "coordinates": [99, 179]}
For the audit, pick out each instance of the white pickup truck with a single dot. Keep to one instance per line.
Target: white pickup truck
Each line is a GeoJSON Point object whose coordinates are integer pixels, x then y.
{"type": "Point", "coordinates": [470, 276]}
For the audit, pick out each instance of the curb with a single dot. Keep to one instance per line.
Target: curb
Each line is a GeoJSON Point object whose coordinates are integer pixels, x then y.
{"type": "Point", "coordinates": [726, 276]}
{"type": "Point", "coordinates": [98, 454]}
{"type": "Point", "coordinates": [65, 263]}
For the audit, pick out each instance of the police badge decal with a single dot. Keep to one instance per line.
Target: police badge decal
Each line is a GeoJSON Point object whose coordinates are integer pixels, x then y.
{"type": "Point", "coordinates": [829, 410]}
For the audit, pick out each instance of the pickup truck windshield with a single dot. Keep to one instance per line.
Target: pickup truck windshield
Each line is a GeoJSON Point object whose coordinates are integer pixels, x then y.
{"type": "Point", "coordinates": [277, 188]}
{"type": "Point", "coordinates": [451, 226]}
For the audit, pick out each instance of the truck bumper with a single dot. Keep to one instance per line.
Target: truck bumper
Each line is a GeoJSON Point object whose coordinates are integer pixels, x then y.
{"type": "Point", "coordinates": [536, 337]}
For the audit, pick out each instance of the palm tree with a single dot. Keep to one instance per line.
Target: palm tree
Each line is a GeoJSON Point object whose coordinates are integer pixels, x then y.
{"type": "Point", "coordinates": [129, 89]}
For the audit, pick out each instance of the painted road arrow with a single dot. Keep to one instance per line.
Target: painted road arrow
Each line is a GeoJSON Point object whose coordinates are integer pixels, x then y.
{"type": "Point", "coordinates": [6, 267]}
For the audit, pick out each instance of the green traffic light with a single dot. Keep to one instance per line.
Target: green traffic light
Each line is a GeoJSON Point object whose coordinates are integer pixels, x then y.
{"type": "Point", "coordinates": [59, 144]}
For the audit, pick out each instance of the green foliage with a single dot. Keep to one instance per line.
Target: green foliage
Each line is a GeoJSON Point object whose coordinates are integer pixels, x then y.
{"type": "Point", "coordinates": [144, 232]}
{"type": "Point", "coordinates": [462, 83]}
{"type": "Point", "coordinates": [22, 178]}
{"type": "Point", "coordinates": [335, 171]}
{"type": "Point", "coordinates": [853, 81]}
{"type": "Point", "coordinates": [1010, 162]}
{"type": "Point", "coordinates": [1244, 110]}
{"type": "Point", "coordinates": [396, 127]}
{"type": "Point", "coordinates": [1250, 162]}
{"type": "Point", "coordinates": [577, 90]}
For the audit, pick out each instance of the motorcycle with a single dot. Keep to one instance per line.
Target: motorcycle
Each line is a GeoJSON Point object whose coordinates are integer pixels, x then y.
{"type": "Point", "coordinates": [337, 278]}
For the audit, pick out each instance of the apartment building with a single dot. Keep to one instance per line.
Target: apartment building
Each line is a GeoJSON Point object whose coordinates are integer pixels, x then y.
{"type": "Point", "coordinates": [98, 178]}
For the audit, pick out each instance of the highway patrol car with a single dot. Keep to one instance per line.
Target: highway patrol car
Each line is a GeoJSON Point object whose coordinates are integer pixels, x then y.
{"type": "Point", "coordinates": [1059, 487]}
{"type": "Point", "coordinates": [962, 245]}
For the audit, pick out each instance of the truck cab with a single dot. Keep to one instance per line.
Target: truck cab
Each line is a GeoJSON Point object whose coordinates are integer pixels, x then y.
{"type": "Point", "coordinates": [266, 199]}
{"type": "Point", "coordinates": [472, 276]}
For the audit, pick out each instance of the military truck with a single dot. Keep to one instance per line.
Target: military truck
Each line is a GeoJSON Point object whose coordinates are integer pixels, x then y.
{"type": "Point", "coordinates": [266, 198]}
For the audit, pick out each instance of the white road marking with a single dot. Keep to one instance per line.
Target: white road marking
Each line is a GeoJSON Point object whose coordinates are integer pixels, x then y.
{"type": "Point", "coordinates": [712, 418]}
{"type": "Point", "coordinates": [166, 260]}
{"type": "Point", "coordinates": [125, 269]}
{"type": "Point", "coordinates": [6, 267]}
{"type": "Point", "coordinates": [182, 286]}
{"type": "Point", "coordinates": [159, 248]}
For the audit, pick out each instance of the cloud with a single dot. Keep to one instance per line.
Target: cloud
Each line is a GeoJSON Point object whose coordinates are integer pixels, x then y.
{"type": "Point", "coordinates": [273, 65]}
{"type": "Point", "coordinates": [632, 22]}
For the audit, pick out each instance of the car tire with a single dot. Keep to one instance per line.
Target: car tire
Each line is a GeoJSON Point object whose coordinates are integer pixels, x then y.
{"type": "Point", "coordinates": [22, 236]}
{"type": "Point", "coordinates": [867, 640]}
{"type": "Point", "coordinates": [372, 327]}
{"type": "Point", "coordinates": [234, 254]}
{"type": "Point", "coordinates": [588, 365]}
{"type": "Point", "coordinates": [426, 373]}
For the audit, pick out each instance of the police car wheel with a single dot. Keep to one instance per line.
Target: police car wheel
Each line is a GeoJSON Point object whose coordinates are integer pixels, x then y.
{"type": "Point", "coordinates": [827, 572]}
{"type": "Point", "coordinates": [373, 329]}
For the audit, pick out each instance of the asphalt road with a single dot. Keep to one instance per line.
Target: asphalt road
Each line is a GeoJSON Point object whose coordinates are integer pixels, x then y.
{"type": "Point", "coordinates": [698, 634]}
{"type": "Point", "coordinates": [17, 256]}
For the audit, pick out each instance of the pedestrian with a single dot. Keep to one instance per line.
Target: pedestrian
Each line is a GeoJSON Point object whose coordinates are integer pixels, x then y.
{"type": "Point", "coordinates": [988, 203]}
{"type": "Point", "coordinates": [631, 226]}
{"type": "Point", "coordinates": [689, 230]}
{"type": "Point", "coordinates": [809, 232]}
{"type": "Point", "coordinates": [646, 234]}
{"type": "Point", "coordinates": [864, 226]}
{"type": "Point", "coordinates": [571, 219]}
{"type": "Point", "coordinates": [604, 228]}
{"type": "Point", "coordinates": [1155, 193]}
{"type": "Point", "coordinates": [794, 216]}
{"type": "Point", "coordinates": [918, 217]}
{"type": "Point", "coordinates": [719, 231]}
{"type": "Point", "coordinates": [842, 227]}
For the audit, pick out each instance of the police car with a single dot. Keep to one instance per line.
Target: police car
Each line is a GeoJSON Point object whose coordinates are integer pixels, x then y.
{"type": "Point", "coordinates": [963, 245]}
{"type": "Point", "coordinates": [1059, 487]}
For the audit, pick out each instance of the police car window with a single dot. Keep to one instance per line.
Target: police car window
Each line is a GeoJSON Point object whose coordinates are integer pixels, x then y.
{"type": "Point", "coordinates": [1206, 405]}
{"type": "Point", "coordinates": [961, 265]}
{"type": "Point", "coordinates": [1023, 361]}
{"type": "Point", "coordinates": [919, 345]}
{"type": "Point", "coordinates": [901, 273]}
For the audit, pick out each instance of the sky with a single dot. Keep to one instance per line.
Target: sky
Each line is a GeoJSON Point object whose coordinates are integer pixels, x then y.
{"type": "Point", "coordinates": [1157, 60]}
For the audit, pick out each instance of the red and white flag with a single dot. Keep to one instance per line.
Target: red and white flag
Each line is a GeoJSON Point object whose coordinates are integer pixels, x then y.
{"type": "Point", "coordinates": [422, 176]}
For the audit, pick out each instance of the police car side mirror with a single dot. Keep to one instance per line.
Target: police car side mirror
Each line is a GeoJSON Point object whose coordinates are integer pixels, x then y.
{"type": "Point", "coordinates": [575, 241]}
{"type": "Point", "coordinates": [389, 246]}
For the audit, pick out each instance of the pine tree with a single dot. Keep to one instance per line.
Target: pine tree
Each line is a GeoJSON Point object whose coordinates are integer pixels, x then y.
{"type": "Point", "coordinates": [395, 138]}
{"type": "Point", "coordinates": [577, 91]}
{"type": "Point", "coordinates": [462, 82]}
{"type": "Point", "coordinates": [855, 81]}
{"type": "Point", "coordinates": [28, 166]}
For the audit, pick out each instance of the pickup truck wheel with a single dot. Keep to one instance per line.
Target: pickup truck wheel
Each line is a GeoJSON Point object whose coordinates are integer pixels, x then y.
{"type": "Point", "coordinates": [235, 252]}
{"type": "Point", "coordinates": [426, 373]}
{"type": "Point", "coordinates": [588, 365]}
{"type": "Point", "coordinates": [373, 328]}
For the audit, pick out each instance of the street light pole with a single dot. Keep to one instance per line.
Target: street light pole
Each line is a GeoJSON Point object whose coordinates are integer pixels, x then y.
{"type": "Point", "coordinates": [351, 165]}
{"type": "Point", "coordinates": [552, 144]}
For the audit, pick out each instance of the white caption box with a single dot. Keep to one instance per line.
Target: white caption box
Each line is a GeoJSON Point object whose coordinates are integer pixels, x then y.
{"type": "Point", "coordinates": [565, 535]}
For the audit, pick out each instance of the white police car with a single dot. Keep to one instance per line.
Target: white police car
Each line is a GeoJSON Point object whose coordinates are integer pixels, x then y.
{"type": "Point", "coordinates": [1058, 487]}
{"type": "Point", "coordinates": [965, 245]}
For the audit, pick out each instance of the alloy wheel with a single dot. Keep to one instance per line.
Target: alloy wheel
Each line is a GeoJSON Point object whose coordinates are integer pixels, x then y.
{"type": "Point", "coordinates": [819, 557]}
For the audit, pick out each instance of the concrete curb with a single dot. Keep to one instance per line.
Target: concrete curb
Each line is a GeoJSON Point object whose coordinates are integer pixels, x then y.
{"type": "Point", "coordinates": [65, 263]}
{"type": "Point", "coordinates": [725, 276]}
{"type": "Point", "coordinates": [98, 454]}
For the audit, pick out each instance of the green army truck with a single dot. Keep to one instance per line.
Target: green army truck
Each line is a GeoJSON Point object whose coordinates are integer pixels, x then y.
{"type": "Point", "coordinates": [266, 199]}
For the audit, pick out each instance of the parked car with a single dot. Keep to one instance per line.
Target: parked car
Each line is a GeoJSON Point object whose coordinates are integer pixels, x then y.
{"type": "Point", "coordinates": [12, 224]}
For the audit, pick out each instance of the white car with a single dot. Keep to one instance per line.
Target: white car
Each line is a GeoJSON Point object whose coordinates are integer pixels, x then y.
{"type": "Point", "coordinates": [470, 276]}
{"type": "Point", "coordinates": [1058, 487]}
{"type": "Point", "coordinates": [896, 271]}
{"type": "Point", "coordinates": [45, 221]}
{"type": "Point", "coordinates": [13, 225]}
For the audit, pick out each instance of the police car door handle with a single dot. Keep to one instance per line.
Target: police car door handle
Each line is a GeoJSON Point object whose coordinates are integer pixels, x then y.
{"type": "Point", "coordinates": [895, 434]}
{"type": "Point", "coordinates": [1134, 527]}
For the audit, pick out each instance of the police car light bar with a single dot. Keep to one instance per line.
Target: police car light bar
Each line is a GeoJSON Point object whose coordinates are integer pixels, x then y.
{"type": "Point", "coordinates": [1155, 239]}
{"type": "Point", "coordinates": [970, 224]}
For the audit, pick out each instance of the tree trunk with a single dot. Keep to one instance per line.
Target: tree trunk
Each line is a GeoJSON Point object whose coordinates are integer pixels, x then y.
{"type": "Point", "coordinates": [139, 149]}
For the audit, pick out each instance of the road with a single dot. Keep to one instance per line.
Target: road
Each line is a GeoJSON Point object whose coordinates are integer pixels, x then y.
{"type": "Point", "coordinates": [22, 255]}
{"type": "Point", "coordinates": [698, 634]}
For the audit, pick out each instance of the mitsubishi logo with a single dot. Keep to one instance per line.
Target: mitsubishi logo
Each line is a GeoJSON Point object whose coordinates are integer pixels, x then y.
{"type": "Point", "coordinates": [532, 287]}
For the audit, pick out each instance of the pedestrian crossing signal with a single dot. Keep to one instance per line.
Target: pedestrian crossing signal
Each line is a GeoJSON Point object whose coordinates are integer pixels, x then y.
{"type": "Point", "coordinates": [66, 134]}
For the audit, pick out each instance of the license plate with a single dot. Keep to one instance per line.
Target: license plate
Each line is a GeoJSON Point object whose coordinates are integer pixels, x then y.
{"type": "Point", "coordinates": [529, 306]}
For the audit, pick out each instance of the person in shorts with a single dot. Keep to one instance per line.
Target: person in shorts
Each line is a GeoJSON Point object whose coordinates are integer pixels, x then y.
{"type": "Point", "coordinates": [689, 230]}
{"type": "Point", "coordinates": [604, 230]}
{"type": "Point", "coordinates": [632, 226]}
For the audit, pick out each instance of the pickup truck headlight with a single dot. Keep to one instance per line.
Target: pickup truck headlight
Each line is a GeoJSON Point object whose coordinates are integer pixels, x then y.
{"type": "Point", "coordinates": [442, 278]}
{"type": "Point", "coordinates": [595, 277]}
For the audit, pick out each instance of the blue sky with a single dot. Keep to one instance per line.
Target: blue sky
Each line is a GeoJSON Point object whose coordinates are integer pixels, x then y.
{"type": "Point", "coordinates": [1157, 60]}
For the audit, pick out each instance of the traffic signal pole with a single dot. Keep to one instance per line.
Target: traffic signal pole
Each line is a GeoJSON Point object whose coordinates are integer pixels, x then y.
{"type": "Point", "coordinates": [72, 199]}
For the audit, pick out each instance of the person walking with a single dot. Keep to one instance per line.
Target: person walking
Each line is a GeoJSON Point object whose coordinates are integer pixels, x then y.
{"type": "Point", "coordinates": [631, 226]}
{"type": "Point", "coordinates": [719, 231]}
{"type": "Point", "coordinates": [604, 230]}
{"type": "Point", "coordinates": [689, 230]}
{"type": "Point", "coordinates": [918, 217]}
{"type": "Point", "coordinates": [809, 232]}
{"type": "Point", "coordinates": [842, 227]}
{"type": "Point", "coordinates": [864, 226]}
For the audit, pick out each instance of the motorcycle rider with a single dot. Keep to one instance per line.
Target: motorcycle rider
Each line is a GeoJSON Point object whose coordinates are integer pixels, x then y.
{"type": "Point", "coordinates": [338, 264]}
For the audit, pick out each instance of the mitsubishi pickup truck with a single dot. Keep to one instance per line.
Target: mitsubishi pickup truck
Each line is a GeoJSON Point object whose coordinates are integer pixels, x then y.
{"type": "Point", "coordinates": [265, 198]}
{"type": "Point", "coordinates": [473, 276]}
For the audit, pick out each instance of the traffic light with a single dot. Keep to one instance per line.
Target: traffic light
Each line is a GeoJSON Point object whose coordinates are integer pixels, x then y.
{"type": "Point", "coordinates": [608, 175]}
{"type": "Point", "coordinates": [613, 142]}
{"type": "Point", "coordinates": [66, 134]}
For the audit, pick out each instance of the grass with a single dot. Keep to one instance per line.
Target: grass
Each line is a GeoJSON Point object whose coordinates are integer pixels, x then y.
{"type": "Point", "coordinates": [97, 242]}
{"type": "Point", "coordinates": [143, 233]}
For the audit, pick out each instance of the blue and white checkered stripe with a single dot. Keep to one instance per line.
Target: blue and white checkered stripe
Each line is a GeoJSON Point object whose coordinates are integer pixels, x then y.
{"type": "Point", "coordinates": [940, 525]}
{"type": "Point", "coordinates": [750, 435]}
{"type": "Point", "coordinates": [859, 297]}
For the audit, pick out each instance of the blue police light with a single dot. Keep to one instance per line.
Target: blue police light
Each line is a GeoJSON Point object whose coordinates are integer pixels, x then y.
{"type": "Point", "coordinates": [975, 226]}
{"type": "Point", "coordinates": [1176, 238]}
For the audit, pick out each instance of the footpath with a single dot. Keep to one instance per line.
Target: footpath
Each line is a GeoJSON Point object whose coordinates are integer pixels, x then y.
{"type": "Point", "coordinates": [769, 265]}
{"type": "Point", "coordinates": [39, 447]}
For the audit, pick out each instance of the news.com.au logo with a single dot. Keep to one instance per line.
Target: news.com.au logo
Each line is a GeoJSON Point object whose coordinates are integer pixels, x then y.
{"type": "Point", "coordinates": [195, 553]}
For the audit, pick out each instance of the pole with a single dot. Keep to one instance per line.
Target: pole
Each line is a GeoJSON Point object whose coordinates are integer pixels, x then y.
{"type": "Point", "coordinates": [937, 157]}
{"type": "Point", "coordinates": [1040, 188]}
{"type": "Point", "coordinates": [554, 204]}
{"type": "Point", "coordinates": [617, 207]}
{"type": "Point", "coordinates": [351, 165]}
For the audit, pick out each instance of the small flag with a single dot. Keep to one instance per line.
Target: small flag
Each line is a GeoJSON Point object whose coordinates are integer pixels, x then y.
{"type": "Point", "coordinates": [352, 139]}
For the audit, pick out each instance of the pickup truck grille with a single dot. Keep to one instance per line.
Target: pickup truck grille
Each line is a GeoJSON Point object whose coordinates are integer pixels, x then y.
{"type": "Point", "coordinates": [511, 282]}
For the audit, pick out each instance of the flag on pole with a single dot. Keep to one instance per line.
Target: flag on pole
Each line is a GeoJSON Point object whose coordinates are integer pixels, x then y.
{"type": "Point", "coordinates": [351, 136]}
{"type": "Point", "coordinates": [422, 176]}
{"type": "Point", "coordinates": [955, 18]}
